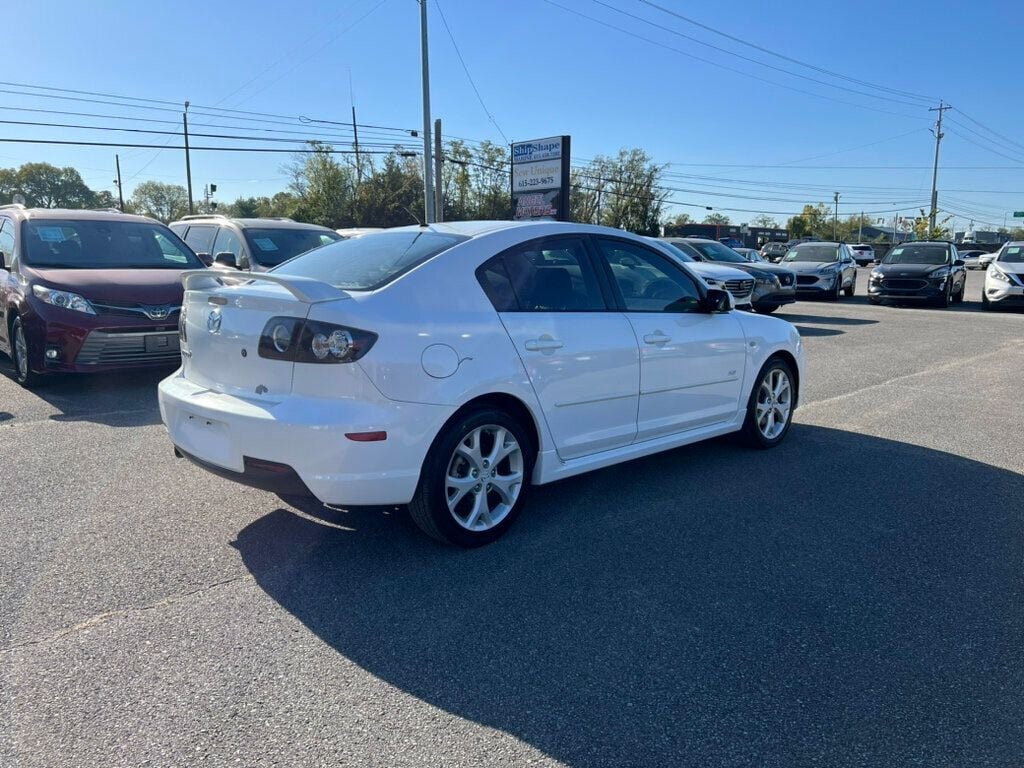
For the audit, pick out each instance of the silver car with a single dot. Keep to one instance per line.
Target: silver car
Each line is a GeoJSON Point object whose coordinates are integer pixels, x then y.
{"type": "Point", "coordinates": [823, 269]}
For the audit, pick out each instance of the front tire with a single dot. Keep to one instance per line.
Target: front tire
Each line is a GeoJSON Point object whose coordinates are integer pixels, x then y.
{"type": "Point", "coordinates": [985, 303]}
{"type": "Point", "coordinates": [958, 297]}
{"type": "Point", "coordinates": [474, 481]}
{"type": "Point", "coordinates": [766, 309]}
{"type": "Point", "coordinates": [770, 406]}
{"type": "Point", "coordinates": [21, 354]}
{"type": "Point", "coordinates": [943, 301]}
{"type": "Point", "coordinates": [852, 289]}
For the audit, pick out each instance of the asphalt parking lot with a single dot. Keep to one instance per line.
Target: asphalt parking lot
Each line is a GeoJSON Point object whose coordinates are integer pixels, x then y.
{"type": "Point", "coordinates": [853, 598]}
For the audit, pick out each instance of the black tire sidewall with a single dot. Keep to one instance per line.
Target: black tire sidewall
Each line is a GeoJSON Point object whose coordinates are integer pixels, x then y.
{"type": "Point", "coordinates": [751, 432]}
{"type": "Point", "coordinates": [431, 492]}
{"type": "Point", "coordinates": [18, 327]}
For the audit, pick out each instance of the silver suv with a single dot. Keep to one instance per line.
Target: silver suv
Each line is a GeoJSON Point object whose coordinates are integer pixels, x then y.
{"type": "Point", "coordinates": [256, 245]}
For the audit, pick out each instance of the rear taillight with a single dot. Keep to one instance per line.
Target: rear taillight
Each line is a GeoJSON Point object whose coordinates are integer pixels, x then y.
{"type": "Point", "coordinates": [182, 330]}
{"type": "Point", "coordinates": [311, 341]}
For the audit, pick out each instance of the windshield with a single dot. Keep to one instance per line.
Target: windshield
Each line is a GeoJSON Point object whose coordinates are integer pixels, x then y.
{"type": "Point", "coordinates": [1012, 254]}
{"type": "Point", "coordinates": [820, 253]}
{"type": "Point", "coordinates": [918, 254]}
{"type": "Point", "coordinates": [104, 244]}
{"type": "Point", "coordinates": [677, 251]}
{"type": "Point", "coordinates": [270, 247]}
{"type": "Point", "coordinates": [713, 251]}
{"type": "Point", "coordinates": [369, 262]}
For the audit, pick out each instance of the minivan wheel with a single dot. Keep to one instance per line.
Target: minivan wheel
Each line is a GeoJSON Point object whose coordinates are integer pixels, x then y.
{"type": "Point", "coordinates": [20, 355]}
{"type": "Point", "coordinates": [475, 479]}
{"type": "Point", "coordinates": [770, 407]}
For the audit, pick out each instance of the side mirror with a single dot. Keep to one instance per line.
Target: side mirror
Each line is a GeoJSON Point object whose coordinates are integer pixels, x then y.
{"type": "Point", "coordinates": [959, 263]}
{"type": "Point", "coordinates": [225, 259]}
{"type": "Point", "coordinates": [718, 300]}
{"type": "Point", "coordinates": [206, 258]}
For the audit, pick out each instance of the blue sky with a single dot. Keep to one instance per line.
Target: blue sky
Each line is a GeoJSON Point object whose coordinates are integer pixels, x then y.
{"type": "Point", "coordinates": [543, 70]}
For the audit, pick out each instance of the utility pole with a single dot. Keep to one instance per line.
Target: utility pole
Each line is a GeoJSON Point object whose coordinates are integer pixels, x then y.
{"type": "Point", "coordinates": [835, 218]}
{"type": "Point", "coordinates": [428, 175]}
{"type": "Point", "coordinates": [188, 161]}
{"type": "Point", "coordinates": [935, 170]}
{"type": "Point", "coordinates": [355, 143]}
{"type": "Point", "coordinates": [860, 228]}
{"type": "Point", "coordinates": [438, 184]}
{"type": "Point", "coordinates": [120, 192]}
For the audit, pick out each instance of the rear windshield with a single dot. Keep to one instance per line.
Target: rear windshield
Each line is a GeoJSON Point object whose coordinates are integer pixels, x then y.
{"type": "Point", "coordinates": [1012, 254]}
{"type": "Point", "coordinates": [713, 251]}
{"type": "Point", "coordinates": [104, 244]}
{"type": "Point", "coordinates": [918, 254]}
{"type": "Point", "coordinates": [676, 251]}
{"type": "Point", "coordinates": [822, 253]}
{"type": "Point", "coordinates": [371, 261]}
{"type": "Point", "coordinates": [861, 247]}
{"type": "Point", "coordinates": [270, 247]}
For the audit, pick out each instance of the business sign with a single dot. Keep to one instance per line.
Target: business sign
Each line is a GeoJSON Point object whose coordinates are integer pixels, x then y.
{"type": "Point", "coordinates": [540, 179]}
{"type": "Point", "coordinates": [1018, 214]}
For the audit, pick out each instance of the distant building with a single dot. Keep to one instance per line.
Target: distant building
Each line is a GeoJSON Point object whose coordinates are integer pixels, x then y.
{"type": "Point", "coordinates": [751, 237]}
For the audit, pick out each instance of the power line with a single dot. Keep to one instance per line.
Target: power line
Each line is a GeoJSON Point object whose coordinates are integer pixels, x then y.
{"type": "Point", "coordinates": [726, 51]}
{"type": "Point", "coordinates": [983, 127]}
{"type": "Point", "coordinates": [333, 151]}
{"type": "Point", "coordinates": [466, 70]}
{"type": "Point", "coordinates": [687, 19]}
{"type": "Point", "coordinates": [681, 52]}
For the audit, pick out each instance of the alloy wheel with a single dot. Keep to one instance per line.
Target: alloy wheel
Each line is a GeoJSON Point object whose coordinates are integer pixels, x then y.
{"type": "Point", "coordinates": [20, 351]}
{"type": "Point", "coordinates": [484, 477]}
{"type": "Point", "coordinates": [774, 403]}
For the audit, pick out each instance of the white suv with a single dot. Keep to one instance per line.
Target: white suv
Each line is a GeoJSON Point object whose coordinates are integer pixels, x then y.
{"type": "Point", "coordinates": [451, 366]}
{"type": "Point", "coordinates": [1004, 280]}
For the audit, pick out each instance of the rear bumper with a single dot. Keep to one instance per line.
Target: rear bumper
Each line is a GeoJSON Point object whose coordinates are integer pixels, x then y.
{"type": "Point", "coordinates": [238, 437]}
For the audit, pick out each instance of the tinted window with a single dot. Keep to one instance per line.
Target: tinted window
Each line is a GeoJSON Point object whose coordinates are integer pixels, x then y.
{"type": "Point", "coordinates": [200, 238]}
{"type": "Point", "coordinates": [648, 281]}
{"type": "Point", "coordinates": [495, 281]}
{"type": "Point", "coordinates": [228, 242]}
{"type": "Point", "coordinates": [678, 252]}
{"type": "Point", "coordinates": [713, 251]}
{"type": "Point", "coordinates": [370, 262]}
{"type": "Point", "coordinates": [7, 240]}
{"type": "Point", "coordinates": [553, 276]}
{"type": "Point", "coordinates": [918, 254]}
{"type": "Point", "coordinates": [101, 244]}
{"type": "Point", "coordinates": [270, 246]}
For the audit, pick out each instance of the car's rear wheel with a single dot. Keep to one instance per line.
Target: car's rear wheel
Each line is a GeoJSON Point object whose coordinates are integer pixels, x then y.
{"type": "Point", "coordinates": [21, 355]}
{"type": "Point", "coordinates": [475, 479]}
{"type": "Point", "coordinates": [771, 404]}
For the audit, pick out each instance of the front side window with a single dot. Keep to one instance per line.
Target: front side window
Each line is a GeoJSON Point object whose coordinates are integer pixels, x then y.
{"type": "Point", "coordinates": [918, 254]}
{"type": "Point", "coordinates": [371, 262]}
{"type": "Point", "coordinates": [200, 238]}
{"type": "Point", "coordinates": [228, 242]}
{"type": "Point", "coordinates": [271, 246]}
{"type": "Point", "coordinates": [648, 281]}
{"type": "Point", "coordinates": [103, 244]}
{"type": "Point", "coordinates": [553, 276]}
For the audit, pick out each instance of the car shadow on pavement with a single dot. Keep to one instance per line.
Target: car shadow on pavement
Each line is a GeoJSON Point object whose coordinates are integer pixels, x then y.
{"type": "Point", "coordinates": [117, 399]}
{"type": "Point", "coordinates": [827, 320]}
{"type": "Point", "coordinates": [841, 600]}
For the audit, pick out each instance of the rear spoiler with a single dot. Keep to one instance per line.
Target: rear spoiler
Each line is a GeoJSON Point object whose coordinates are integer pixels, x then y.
{"type": "Point", "coordinates": [305, 289]}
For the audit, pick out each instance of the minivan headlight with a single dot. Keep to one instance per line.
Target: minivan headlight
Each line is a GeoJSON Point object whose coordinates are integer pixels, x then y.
{"type": "Point", "coordinates": [63, 299]}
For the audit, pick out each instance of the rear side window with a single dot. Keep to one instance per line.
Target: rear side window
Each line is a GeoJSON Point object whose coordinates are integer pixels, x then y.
{"type": "Point", "coordinates": [372, 261]}
{"type": "Point", "coordinates": [544, 276]}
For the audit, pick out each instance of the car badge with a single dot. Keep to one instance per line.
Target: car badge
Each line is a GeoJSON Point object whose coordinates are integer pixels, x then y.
{"type": "Point", "coordinates": [213, 321]}
{"type": "Point", "coordinates": [157, 313]}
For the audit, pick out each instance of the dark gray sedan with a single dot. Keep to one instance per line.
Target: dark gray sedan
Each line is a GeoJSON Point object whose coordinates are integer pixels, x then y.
{"type": "Point", "coordinates": [822, 269]}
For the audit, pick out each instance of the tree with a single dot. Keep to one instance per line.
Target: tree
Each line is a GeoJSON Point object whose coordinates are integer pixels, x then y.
{"type": "Point", "coordinates": [165, 202]}
{"type": "Point", "coordinates": [815, 220]}
{"type": "Point", "coordinates": [716, 218]}
{"type": "Point", "coordinates": [323, 186]}
{"type": "Point", "coordinates": [679, 220]}
{"type": "Point", "coordinates": [764, 220]}
{"type": "Point", "coordinates": [46, 186]}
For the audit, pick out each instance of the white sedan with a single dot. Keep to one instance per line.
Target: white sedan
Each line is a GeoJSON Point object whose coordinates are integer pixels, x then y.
{"type": "Point", "coordinates": [450, 367]}
{"type": "Point", "coordinates": [1004, 281]}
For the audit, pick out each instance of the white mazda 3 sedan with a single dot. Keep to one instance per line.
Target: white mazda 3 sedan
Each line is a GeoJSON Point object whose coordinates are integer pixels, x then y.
{"type": "Point", "coordinates": [450, 367]}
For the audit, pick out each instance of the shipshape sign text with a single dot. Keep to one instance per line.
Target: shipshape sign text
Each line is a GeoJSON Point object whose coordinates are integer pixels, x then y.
{"type": "Point", "coordinates": [540, 179]}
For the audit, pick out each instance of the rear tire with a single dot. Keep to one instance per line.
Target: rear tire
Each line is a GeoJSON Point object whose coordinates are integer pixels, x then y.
{"type": "Point", "coordinates": [774, 396]}
{"type": "Point", "coordinates": [21, 354]}
{"type": "Point", "coordinates": [475, 479]}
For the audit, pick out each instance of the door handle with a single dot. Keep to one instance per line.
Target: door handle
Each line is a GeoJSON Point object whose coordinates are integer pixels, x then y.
{"type": "Point", "coordinates": [657, 338]}
{"type": "Point", "coordinates": [543, 344]}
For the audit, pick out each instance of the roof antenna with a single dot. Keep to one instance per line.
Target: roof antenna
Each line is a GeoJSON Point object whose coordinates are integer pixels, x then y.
{"type": "Point", "coordinates": [414, 216]}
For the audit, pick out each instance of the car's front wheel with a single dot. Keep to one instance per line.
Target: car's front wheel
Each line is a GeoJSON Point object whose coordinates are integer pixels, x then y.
{"type": "Point", "coordinates": [20, 355]}
{"type": "Point", "coordinates": [766, 309]}
{"type": "Point", "coordinates": [475, 479]}
{"type": "Point", "coordinates": [771, 404]}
